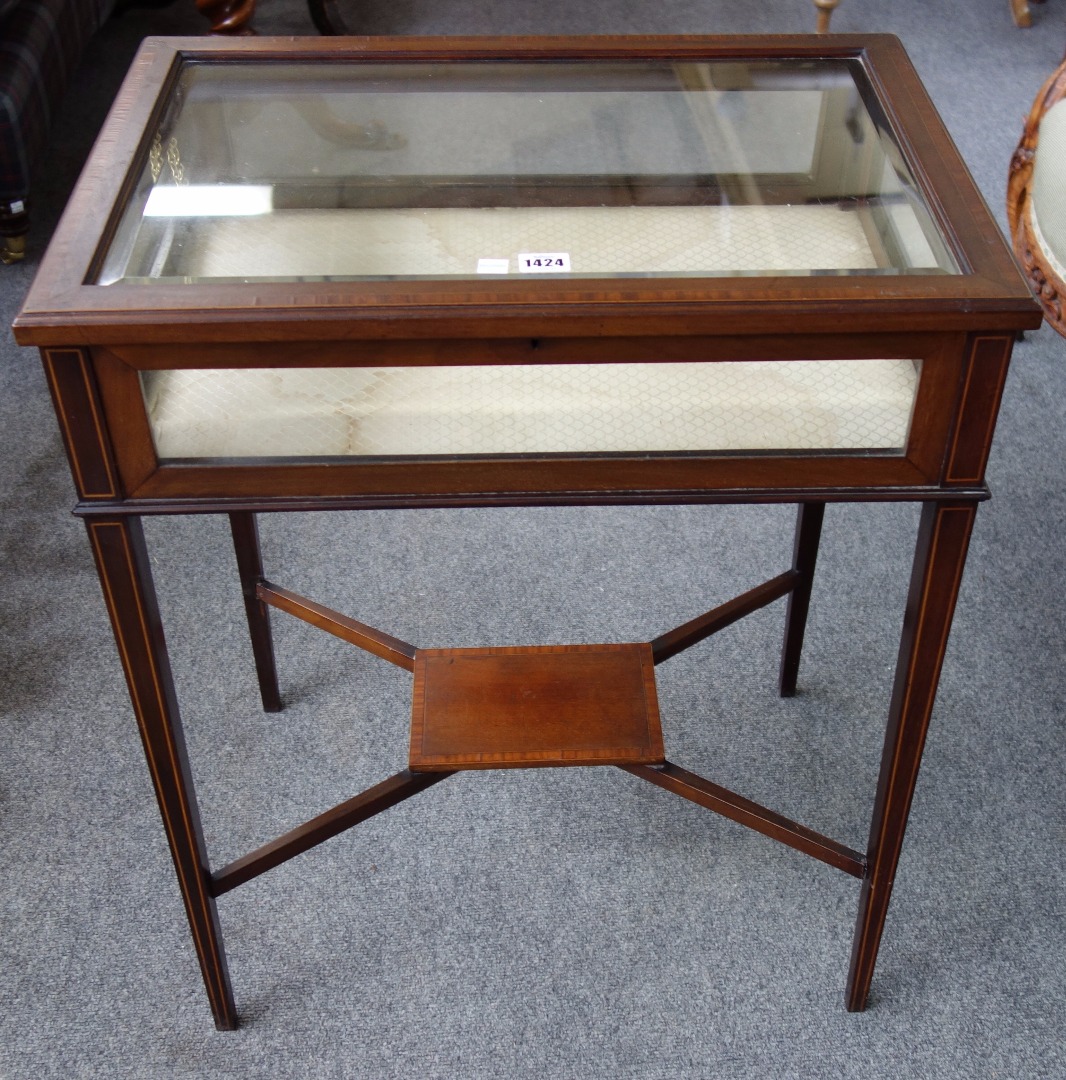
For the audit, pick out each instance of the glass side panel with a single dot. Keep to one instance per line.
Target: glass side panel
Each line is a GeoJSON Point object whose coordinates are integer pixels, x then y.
{"type": "Point", "coordinates": [845, 406]}
{"type": "Point", "coordinates": [327, 171]}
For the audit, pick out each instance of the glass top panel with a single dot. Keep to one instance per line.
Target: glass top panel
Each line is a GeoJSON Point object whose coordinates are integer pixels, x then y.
{"type": "Point", "coordinates": [289, 171]}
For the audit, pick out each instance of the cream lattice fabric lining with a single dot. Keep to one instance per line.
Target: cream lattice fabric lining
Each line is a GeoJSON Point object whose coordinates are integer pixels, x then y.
{"type": "Point", "coordinates": [763, 405]}
{"type": "Point", "coordinates": [599, 240]}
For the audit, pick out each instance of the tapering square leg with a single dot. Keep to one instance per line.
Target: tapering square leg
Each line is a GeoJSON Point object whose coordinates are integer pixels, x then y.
{"type": "Point", "coordinates": [804, 557]}
{"type": "Point", "coordinates": [125, 576]}
{"type": "Point", "coordinates": [943, 538]}
{"type": "Point", "coordinates": [245, 530]}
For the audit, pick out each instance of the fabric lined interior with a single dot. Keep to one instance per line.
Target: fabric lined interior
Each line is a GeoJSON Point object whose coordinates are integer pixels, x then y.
{"type": "Point", "coordinates": [808, 405]}
{"type": "Point", "coordinates": [601, 240]}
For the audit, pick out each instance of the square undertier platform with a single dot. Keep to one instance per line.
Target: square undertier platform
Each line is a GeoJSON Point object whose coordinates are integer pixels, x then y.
{"type": "Point", "coordinates": [540, 706]}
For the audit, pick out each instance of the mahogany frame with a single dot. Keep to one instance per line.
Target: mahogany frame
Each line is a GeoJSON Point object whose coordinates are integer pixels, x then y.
{"type": "Point", "coordinates": [94, 340]}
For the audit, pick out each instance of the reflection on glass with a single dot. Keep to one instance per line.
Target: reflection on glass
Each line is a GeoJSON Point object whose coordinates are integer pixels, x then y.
{"type": "Point", "coordinates": [853, 406]}
{"type": "Point", "coordinates": [333, 171]}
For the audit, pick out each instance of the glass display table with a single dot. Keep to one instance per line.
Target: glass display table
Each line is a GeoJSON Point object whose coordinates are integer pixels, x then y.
{"type": "Point", "coordinates": [364, 274]}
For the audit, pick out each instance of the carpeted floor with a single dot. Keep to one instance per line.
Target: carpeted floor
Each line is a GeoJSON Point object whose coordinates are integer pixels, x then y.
{"type": "Point", "coordinates": [558, 923]}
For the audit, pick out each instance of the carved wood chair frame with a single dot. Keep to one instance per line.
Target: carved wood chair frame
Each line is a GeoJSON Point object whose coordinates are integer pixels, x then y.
{"type": "Point", "coordinates": [1044, 278]}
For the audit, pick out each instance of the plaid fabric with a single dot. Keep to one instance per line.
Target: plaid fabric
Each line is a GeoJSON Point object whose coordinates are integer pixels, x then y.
{"type": "Point", "coordinates": [41, 42]}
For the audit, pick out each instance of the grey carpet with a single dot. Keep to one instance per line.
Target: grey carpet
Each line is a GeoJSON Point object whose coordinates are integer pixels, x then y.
{"type": "Point", "coordinates": [563, 923]}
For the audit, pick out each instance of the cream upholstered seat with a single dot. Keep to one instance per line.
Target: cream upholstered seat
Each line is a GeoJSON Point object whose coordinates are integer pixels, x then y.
{"type": "Point", "coordinates": [1047, 203]}
{"type": "Point", "coordinates": [1036, 198]}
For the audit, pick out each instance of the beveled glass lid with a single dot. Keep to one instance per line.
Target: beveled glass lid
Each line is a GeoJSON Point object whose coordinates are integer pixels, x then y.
{"type": "Point", "coordinates": [316, 171]}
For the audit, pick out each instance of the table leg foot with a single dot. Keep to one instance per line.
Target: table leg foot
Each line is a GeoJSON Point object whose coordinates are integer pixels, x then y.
{"type": "Point", "coordinates": [825, 13]}
{"type": "Point", "coordinates": [943, 538]}
{"type": "Point", "coordinates": [1020, 10]}
{"type": "Point", "coordinates": [122, 562]}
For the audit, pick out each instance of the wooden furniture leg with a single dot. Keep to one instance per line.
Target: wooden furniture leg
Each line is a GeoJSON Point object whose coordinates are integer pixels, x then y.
{"type": "Point", "coordinates": [1019, 9]}
{"type": "Point", "coordinates": [327, 17]}
{"type": "Point", "coordinates": [245, 530]}
{"type": "Point", "coordinates": [825, 13]}
{"type": "Point", "coordinates": [943, 538]}
{"type": "Point", "coordinates": [229, 17]}
{"type": "Point", "coordinates": [126, 579]}
{"type": "Point", "coordinates": [804, 557]}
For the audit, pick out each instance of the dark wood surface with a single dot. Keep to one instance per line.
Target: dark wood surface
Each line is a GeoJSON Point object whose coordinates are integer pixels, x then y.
{"type": "Point", "coordinates": [735, 807]}
{"type": "Point", "coordinates": [333, 622]}
{"type": "Point", "coordinates": [486, 479]}
{"type": "Point", "coordinates": [228, 16]}
{"type": "Point", "coordinates": [366, 805]}
{"type": "Point", "coordinates": [471, 707]}
{"type": "Point", "coordinates": [126, 578]}
{"type": "Point", "coordinates": [804, 560]}
{"type": "Point", "coordinates": [245, 531]}
{"type": "Point", "coordinates": [540, 706]}
{"type": "Point", "coordinates": [943, 538]}
{"type": "Point", "coordinates": [61, 309]}
{"type": "Point", "coordinates": [703, 626]}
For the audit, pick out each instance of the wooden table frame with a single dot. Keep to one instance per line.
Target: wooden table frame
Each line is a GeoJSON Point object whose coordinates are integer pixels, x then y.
{"type": "Point", "coordinates": [93, 341]}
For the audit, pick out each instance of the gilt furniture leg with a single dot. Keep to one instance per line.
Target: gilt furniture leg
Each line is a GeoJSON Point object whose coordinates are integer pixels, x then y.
{"type": "Point", "coordinates": [250, 568]}
{"type": "Point", "coordinates": [14, 225]}
{"type": "Point", "coordinates": [943, 537]}
{"type": "Point", "coordinates": [804, 557]}
{"type": "Point", "coordinates": [12, 249]}
{"type": "Point", "coordinates": [125, 576]}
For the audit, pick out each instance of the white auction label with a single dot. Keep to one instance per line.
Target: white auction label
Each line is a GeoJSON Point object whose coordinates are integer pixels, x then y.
{"type": "Point", "coordinates": [493, 266]}
{"type": "Point", "coordinates": [544, 262]}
